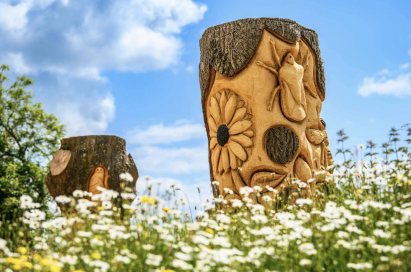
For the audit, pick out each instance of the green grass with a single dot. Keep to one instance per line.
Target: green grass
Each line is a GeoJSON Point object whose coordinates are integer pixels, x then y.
{"type": "Point", "coordinates": [359, 221]}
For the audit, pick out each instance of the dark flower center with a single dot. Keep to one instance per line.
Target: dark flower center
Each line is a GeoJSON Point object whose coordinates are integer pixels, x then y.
{"type": "Point", "coordinates": [222, 135]}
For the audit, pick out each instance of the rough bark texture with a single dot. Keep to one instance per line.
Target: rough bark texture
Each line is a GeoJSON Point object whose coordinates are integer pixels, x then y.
{"type": "Point", "coordinates": [86, 153]}
{"type": "Point", "coordinates": [282, 144]}
{"type": "Point", "coordinates": [228, 47]}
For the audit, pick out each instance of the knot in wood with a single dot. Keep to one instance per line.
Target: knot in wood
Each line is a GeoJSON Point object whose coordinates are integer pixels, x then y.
{"type": "Point", "coordinates": [281, 144]}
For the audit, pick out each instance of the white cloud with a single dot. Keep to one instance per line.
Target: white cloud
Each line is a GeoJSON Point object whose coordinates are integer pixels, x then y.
{"type": "Point", "coordinates": [172, 160]}
{"type": "Point", "coordinates": [13, 17]}
{"type": "Point", "coordinates": [67, 45]}
{"type": "Point", "coordinates": [160, 134]}
{"type": "Point", "coordinates": [190, 69]}
{"type": "Point", "coordinates": [17, 63]}
{"type": "Point", "coordinates": [405, 66]}
{"type": "Point", "coordinates": [158, 152]}
{"type": "Point", "coordinates": [409, 52]}
{"type": "Point", "coordinates": [382, 85]}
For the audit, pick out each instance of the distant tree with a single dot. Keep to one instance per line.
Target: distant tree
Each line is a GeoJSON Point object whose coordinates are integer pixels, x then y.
{"type": "Point", "coordinates": [28, 139]}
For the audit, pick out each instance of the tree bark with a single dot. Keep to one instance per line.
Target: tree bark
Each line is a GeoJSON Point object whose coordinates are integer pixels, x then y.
{"type": "Point", "coordinates": [281, 144]}
{"type": "Point", "coordinates": [86, 154]}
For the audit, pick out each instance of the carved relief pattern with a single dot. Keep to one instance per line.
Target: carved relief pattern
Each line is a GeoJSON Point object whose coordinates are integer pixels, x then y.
{"type": "Point", "coordinates": [286, 137]}
{"type": "Point", "coordinates": [290, 78]}
{"type": "Point", "coordinates": [98, 178]}
{"type": "Point", "coordinates": [230, 130]}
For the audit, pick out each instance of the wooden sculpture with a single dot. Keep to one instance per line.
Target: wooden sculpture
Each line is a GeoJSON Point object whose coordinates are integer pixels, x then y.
{"type": "Point", "coordinates": [262, 84]}
{"type": "Point", "coordinates": [88, 163]}
{"type": "Point", "coordinates": [98, 178]}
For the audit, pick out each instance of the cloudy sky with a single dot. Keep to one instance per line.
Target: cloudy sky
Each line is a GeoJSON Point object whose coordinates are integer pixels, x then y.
{"type": "Point", "coordinates": [130, 68]}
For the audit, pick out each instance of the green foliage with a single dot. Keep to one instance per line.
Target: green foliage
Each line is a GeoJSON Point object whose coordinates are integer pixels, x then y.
{"type": "Point", "coordinates": [28, 138]}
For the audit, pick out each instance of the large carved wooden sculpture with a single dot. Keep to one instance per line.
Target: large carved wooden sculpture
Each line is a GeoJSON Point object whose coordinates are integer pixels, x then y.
{"type": "Point", "coordinates": [262, 84]}
{"type": "Point", "coordinates": [88, 163]}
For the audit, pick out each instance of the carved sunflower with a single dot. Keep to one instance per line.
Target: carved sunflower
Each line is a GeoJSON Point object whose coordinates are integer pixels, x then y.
{"type": "Point", "coordinates": [230, 131]}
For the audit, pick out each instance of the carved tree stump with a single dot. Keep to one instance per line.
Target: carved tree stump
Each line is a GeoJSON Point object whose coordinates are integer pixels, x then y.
{"type": "Point", "coordinates": [83, 163]}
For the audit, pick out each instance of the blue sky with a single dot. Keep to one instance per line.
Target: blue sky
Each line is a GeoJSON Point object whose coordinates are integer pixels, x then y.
{"type": "Point", "coordinates": [130, 68]}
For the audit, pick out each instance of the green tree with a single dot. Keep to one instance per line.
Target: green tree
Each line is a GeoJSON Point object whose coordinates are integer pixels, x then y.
{"type": "Point", "coordinates": [28, 139]}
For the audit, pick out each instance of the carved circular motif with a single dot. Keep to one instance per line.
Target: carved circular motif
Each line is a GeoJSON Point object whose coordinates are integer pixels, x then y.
{"type": "Point", "coordinates": [222, 135]}
{"type": "Point", "coordinates": [281, 144]}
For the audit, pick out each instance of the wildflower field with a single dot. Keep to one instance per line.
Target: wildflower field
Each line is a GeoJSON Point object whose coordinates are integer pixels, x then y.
{"type": "Point", "coordinates": [360, 220]}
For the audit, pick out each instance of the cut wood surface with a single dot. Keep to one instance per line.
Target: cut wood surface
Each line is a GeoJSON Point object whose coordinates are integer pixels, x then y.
{"type": "Point", "coordinates": [60, 161]}
{"type": "Point", "coordinates": [74, 163]}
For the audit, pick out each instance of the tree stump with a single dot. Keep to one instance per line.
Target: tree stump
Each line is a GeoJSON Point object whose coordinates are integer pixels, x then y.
{"type": "Point", "coordinates": [86, 162]}
{"type": "Point", "coordinates": [262, 87]}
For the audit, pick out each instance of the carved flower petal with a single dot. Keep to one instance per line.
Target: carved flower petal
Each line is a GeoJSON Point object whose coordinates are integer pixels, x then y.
{"type": "Point", "coordinates": [248, 133]}
{"type": "Point", "coordinates": [225, 159]}
{"type": "Point", "coordinates": [211, 124]}
{"type": "Point", "coordinates": [220, 166]}
{"type": "Point", "coordinates": [233, 159]}
{"type": "Point", "coordinates": [230, 108]}
{"type": "Point", "coordinates": [243, 140]}
{"type": "Point", "coordinates": [215, 111]}
{"type": "Point", "coordinates": [223, 102]}
{"type": "Point", "coordinates": [238, 150]}
{"type": "Point", "coordinates": [239, 127]}
{"type": "Point", "coordinates": [213, 142]}
{"type": "Point", "coordinates": [239, 115]}
{"type": "Point", "coordinates": [216, 157]}
{"type": "Point", "coordinates": [213, 134]}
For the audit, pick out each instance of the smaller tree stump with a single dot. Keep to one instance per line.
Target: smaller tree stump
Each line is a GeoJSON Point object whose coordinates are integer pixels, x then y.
{"type": "Point", "coordinates": [86, 162]}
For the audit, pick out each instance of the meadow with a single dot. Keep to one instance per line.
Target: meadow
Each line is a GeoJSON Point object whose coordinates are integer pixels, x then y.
{"type": "Point", "coordinates": [360, 220]}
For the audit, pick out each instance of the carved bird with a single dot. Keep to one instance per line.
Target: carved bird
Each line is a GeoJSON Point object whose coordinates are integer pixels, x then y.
{"type": "Point", "coordinates": [97, 180]}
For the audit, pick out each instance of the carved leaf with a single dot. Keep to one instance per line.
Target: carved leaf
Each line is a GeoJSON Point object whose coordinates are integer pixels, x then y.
{"type": "Point", "coordinates": [242, 140]}
{"type": "Point", "coordinates": [238, 150]}
{"type": "Point", "coordinates": [239, 127]}
{"type": "Point", "coordinates": [223, 102]}
{"type": "Point", "coordinates": [233, 159]}
{"type": "Point", "coordinates": [230, 108]}
{"type": "Point", "coordinates": [213, 142]}
{"type": "Point", "coordinates": [215, 110]}
{"type": "Point", "coordinates": [239, 115]}
{"type": "Point", "coordinates": [225, 159]}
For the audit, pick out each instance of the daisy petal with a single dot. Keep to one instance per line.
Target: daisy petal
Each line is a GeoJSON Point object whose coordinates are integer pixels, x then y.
{"type": "Point", "coordinates": [213, 142]}
{"type": "Point", "coordinates": [230, 108]}
{"type": "Point", "coordinates": [239, 127]}
{"type": "Point", "coordinates": [243, 140]}
{"type": "Point", "coordinates": [233, 159]}
{"type": "Point", "coordinates": [238, 150]}
{"type": "Point", "coordinates": [216, 157]}
{"type": "Point", "coordinates": [215, 111]}
{"type": "Point", "coordinates": [239, 115]}
{"type": "Point", "coordinates": [223, 102]}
